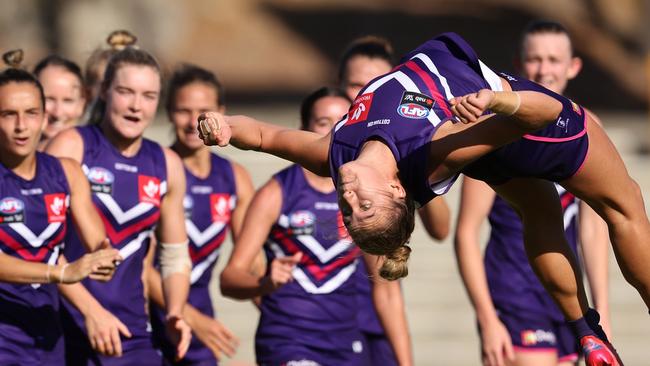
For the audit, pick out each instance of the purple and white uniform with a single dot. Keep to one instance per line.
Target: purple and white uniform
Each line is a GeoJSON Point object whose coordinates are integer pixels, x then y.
{"type": "Point", "coordinates": [405, 107]}
{"type": "Point", "coordinates": [127, 192]}
{"type": "Point", "coordinates": [528, 311]}
{"type": "Point", "coordinates": [376, 343]}
{"type": "Point", "coordinates": [208, 205]}
{"type": "Point", "coordinates": [32, 228]}
{"type": "Point", "coordinates": [311, 320]}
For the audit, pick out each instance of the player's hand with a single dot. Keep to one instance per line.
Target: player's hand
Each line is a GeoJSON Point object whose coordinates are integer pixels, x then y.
{"type": "Point", "coordinates": [99, 265]}
{"type": "Point", "coordinates": [470, 107]}
{"type": "Point", "coordinates": [213, 129]}
{"type": "Point", "coordinates": [496, 344]}
{"type": "Point", "coordinates": [211, 332]}
{"type": "Point", "coordinates": [104, 331]}
{"type": "Point", "coordinates": [179, 333]}
{"type": "Point", "coordinates": [281, 272]}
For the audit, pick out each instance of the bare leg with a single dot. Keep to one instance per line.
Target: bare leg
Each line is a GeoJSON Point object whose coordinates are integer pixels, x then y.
{"type": "Point", "coordinates": [604, 183]}
{"type": "Point", "coordinates": [537, 203]}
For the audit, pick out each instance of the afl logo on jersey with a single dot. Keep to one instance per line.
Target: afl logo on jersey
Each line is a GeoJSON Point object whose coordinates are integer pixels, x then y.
{"type": "Point", "coordinates": [149, 189]}
{"type": "Point", "coordinates": [220, 207]}
{"type": "Point", "coordinates": [360, 108]}
{"type": "Point", "coordinates": [56, 206]}
{"type": "Point", "coordinates": [11, 210]}
{"type": "Point", "coordinates": [188, 204]}
{"type": "Point", "coordinates": [101, 180]}
{"type": "Point", "coordinates": [302, 222]}
{"type": "Point", "coordinates": [415, 105]}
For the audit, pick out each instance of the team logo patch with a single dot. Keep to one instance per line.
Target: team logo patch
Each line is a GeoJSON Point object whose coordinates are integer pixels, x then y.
{"type": "Point", "coordinates": [101, 180]}
{"type": "Point", "coordinates": [360, 108]}
{"type": "Point", "coordinates": [534, 337]}
{"type": "Point", "coordinates": [56, 207]}
{"type": "Point", "coordinates": [188, 204]}
{"type": "Point", "coordinates": [11, 210]}
{"type": "Point", "coordinates": [149, 189]}
{"type": "Point", "coordinates": [220, 207]}
{"type": "Point", "coordinates": [302, 222]}
{"type": "Point", "coordinates": [576, 108]}
{"type": "Point", "coordinates": [415, 105]}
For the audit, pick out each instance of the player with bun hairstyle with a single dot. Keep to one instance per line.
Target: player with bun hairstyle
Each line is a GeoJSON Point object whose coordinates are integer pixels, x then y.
{"type": "Point", "coordinates": [309, 298]}
{"type": "Point", "coordinates": [64, 94]}
{"type": "Point", "coordinates": [96, 63]}
{"type": "Point", "coordinates": [398, 147]}
{"type": "Point", "coordinates": [136, 190]}
{"type": "Point", "coordinates": [364, 59]}
{"type": "Point", "coordinates": [217, 195]}
{"type": "Point", "coordinates": [37, 192]}
{"type": "Point", "coordinates": [519, 323]}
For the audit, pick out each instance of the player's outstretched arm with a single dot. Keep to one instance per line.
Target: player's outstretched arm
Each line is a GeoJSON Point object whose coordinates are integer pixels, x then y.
{"type": "Point", "coordinates": [306, 148]}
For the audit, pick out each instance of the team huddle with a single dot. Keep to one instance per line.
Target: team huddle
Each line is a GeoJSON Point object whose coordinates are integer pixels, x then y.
{"type": "Point", "coordinates": [107, 249]}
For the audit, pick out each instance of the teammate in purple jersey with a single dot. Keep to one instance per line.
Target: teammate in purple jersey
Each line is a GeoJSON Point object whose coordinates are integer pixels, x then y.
{"type": "Point", "coordinates": [218, 193]}
{"type": "Point", "coordinates": [364, 59]}
{"type": "Point", "coordinates": [519, 323]}
{"type": "Point", "coordinates": [309, 294]}
{"type": "Point", "coordinates": [64, 94]}
{"type": "Point", "coordinates": [37, 194]}
{"type": "Point", "coordinates": [136, 190]}
{"type": "Point", "coordinates": [421, 155]}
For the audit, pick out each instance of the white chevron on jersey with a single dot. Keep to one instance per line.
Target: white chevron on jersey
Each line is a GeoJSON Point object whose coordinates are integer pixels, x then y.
{"type": "Point", "coordinates": [198, 237]}
{"type": "Point", "coordinates": [116, 211]}
{"type": "Point", "coordinates": [304, 281]}
{"type": "Point", "coordinates": [135, 244]}
{"type": "Point", "coordinates": [199, 269]}
{"type": "Point", "coordinates": [432, 67]}
{"type": "Point", "coordinates": [491, 77]}
{"type": "Point", "coordinates": [324, 255]}
{"type": "Point", "coordinates": [35, 240]}
{"type": "Point", "coordinates": [570, 212]}
{"type": "Point", "coordinates": [51, 261]}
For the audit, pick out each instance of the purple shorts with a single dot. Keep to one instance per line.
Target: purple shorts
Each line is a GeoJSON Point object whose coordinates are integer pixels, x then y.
{"type": "Point", "coordinates": [343, 348]}
{"type": "Point", "coordinates": [532, 332]}
{"type": "Point", "coordinates": [379, 350]}
{"type": "Point", "coordinates": [554, 153]}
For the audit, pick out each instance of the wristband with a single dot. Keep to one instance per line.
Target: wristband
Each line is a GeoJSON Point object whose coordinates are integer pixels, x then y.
{"type": "Point", "coordinates": [506, 103]}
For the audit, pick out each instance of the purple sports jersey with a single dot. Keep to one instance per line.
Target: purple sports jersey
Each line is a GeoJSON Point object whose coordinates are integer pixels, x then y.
{"type": "Point", "coordinates": [208, 205]}
{"type": "Point", "coordinates": [513, 284]}
{"type": "Point", "coordinates": [377, 344]}
{"type": "Point", "coordinates": [127, 192]}
{"type": "Point", "coordinates": [32, 227]}
{"type": "Point", "coordinates": [523, 305]}
{"type": "Point", "coordinates": [405, 107]}
{"type": "Point", "coordinates": [313, 318]}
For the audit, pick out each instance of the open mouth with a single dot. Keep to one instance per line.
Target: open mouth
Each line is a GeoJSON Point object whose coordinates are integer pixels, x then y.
{"type": "Point", "coordinates": [21, 141]}
{"type": "Point", "coordinates": [132, 118]}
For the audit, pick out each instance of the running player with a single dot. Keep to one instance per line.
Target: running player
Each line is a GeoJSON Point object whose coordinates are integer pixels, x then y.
{"type": "Point", "coordinates": [309, 301]}
{"type": "Point", "coordinates": [136, 189]}
{"type": "Point", "coordinates": [363, 60]}
{"type": "Point", "coordinates": [519, 323]}
{"type": "Point", "coordinates": [64, 94]}
{"type": "Point", "coordinates": [37, 192]}
{"type": "Point", "coordinates": [394, 123]}
{"type": "Point", "coordinates": [218, 193]}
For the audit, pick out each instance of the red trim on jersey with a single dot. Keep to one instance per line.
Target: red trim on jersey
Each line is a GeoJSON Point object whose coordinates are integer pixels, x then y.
{"type": "Point", "coordinates": [24, 252]}
{"type": "Point", "coordinates": [431, 84]}
{"type": "Point", "coordinates": [117, 236]}
{"type": "Point", "coordinates": [206, 249]}
{"type": "Point", "coordinates": [309, 263]}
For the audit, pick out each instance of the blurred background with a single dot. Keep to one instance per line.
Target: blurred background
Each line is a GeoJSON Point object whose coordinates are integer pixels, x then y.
{"type": "Point", "coordinates": [271, 53]}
